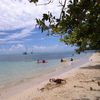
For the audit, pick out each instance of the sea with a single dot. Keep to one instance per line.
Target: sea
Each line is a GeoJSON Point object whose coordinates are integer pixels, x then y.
{"type": "Point", "coordinates": [15, 68]}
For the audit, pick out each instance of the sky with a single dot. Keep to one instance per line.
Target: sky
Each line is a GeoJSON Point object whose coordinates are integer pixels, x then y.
{"type": "Point", "coordinates": [17, 27]}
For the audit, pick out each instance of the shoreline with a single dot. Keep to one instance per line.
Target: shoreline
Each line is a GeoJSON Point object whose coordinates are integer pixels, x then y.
{"type": "Point", "coordinates": [26, 89]}
{"type": "Point", "coordinates": [27, 85]}
{"type": "Point", "coordinates": [28, 74]}
{"type": "Point", "coordinates": [78, 79]}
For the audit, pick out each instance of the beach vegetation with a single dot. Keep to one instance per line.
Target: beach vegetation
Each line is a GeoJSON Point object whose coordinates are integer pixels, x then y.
{"type": "Point", "coordinates": [78, 24]}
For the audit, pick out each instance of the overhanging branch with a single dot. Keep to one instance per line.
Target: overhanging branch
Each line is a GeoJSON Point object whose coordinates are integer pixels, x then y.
{"type": "Point", "coordinates": [42, 4]}
{"type": "Point", "coordinates": [63, 6]}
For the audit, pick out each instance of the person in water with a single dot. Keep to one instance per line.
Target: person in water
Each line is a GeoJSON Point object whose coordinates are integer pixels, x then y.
{"type": "Point", "coordinates": [43, 61]}
{"type": "Point", "coordinates": [61, 60]}
{"type": "Point", "coordinates": [71, 59]}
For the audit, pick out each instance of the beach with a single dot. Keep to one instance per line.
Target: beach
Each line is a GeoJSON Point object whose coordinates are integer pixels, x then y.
{"type": "Point", "coordinates": [49, 49]}
{"type": "Point", "coordinates": [82, 83]}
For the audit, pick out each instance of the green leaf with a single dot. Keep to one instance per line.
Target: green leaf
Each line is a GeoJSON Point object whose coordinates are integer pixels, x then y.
{"type": "Point", "coordinates": [35, 1]}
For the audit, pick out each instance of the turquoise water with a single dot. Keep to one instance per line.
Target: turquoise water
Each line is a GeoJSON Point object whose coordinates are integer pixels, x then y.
{"type": "Point", "coordinates": [16, 71]}
{"type": "Point", "coordinates": [14, 68]}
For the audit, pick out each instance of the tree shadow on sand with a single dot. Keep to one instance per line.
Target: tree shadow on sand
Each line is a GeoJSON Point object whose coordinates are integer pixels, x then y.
{"type": "Point", "coordinates": [97, 78]}
{"type": "Point", "coordinates": [92, 67]}
{"type": "Point", "coordinates": [82, 99]}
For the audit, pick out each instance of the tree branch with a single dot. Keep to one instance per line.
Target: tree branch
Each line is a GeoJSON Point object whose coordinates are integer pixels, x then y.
{"type": "Point", "coordinates": [62, 8]}
{"type": "Point", "coordinates": [50, 1]}
{"type": "Point", "coordinates": [60, 2]}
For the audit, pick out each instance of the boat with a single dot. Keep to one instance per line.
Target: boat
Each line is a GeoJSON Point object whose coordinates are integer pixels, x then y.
{"type": "Point", "coordinates": [24, 53]}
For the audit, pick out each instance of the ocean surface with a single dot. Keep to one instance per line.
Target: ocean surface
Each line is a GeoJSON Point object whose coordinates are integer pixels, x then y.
{"type": "Point", "coordinates": [18, 67]}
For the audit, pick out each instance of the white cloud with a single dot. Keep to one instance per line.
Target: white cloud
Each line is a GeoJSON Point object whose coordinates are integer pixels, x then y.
{"type": "Point", "coordinates": [17, 35]}
{"type": "Point", "coordinates": [52, 48]}
{"type": "Point", "coordinates": [14, 42]}
{"type": "Point", "coordinates": [2, 41]}
{"type": "Point", "coordinates": [16, 14]}
{"type": "Point", "coordinates": [13, 49]}
{"type": "Point", "coordinates": [24, 33]}
{"type": "Point", "coordinates": [17, 47]}
{"type": "Point", "coordinates": [3, 33]}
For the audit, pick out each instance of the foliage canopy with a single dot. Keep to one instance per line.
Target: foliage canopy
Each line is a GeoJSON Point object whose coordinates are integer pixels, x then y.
{"type": "Point", "coordinates": [78, 24]}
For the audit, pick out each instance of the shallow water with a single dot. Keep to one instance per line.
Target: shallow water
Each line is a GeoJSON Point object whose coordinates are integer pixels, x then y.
{"type": "Point", "coordinates": [16, 68]}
